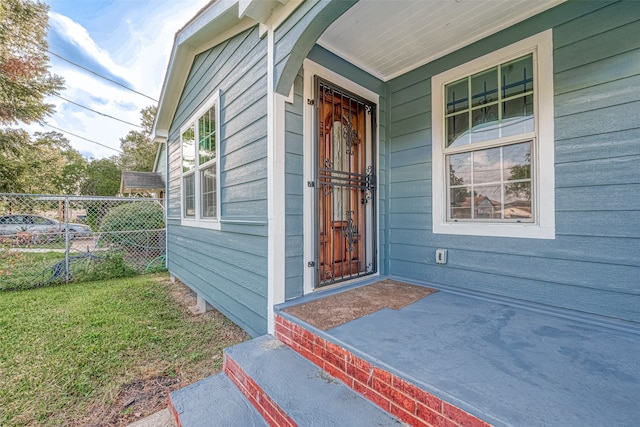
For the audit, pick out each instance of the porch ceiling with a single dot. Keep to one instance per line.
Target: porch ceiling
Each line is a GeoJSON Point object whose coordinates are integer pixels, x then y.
{"type": "Point", "coordinates": [389, 38]}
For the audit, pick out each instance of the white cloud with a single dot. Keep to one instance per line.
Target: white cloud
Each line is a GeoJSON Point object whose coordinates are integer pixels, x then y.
{"type": "Point", "coordinates": [154, 35]}
{"type": "Point", "coordinates": [76, 35]}
{"type": "Point", "coordinates": [140, 58]}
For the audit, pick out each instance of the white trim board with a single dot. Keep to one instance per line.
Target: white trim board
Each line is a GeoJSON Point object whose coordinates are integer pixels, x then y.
{"type": "Point", "coordinates": [276, 197]}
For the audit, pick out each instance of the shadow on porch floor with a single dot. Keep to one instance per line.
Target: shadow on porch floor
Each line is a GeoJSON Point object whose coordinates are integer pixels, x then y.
{"type": "Point", "coordinates": [507, 365]}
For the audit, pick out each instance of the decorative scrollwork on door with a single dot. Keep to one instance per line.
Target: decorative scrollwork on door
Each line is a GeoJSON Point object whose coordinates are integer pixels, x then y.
{"type": "Point", "coordinates": [349, 135]}
{"type": "Point", "coordinates": [350, 232]}
{"type": "Point", "coordinates": [345, 212]}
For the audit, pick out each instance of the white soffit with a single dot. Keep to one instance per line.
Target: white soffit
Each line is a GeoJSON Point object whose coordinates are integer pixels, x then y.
{"type": "Point", "coordinates": [389, 38]}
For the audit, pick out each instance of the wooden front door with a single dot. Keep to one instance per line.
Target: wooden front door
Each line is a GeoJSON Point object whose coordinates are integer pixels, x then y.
{"type": "Point", "coordinates": [345, 180]}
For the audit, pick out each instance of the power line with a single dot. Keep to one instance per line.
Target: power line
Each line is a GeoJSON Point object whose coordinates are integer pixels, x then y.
{"type": "Point", "coordinates": [97, 74]}
{"type": "Point", "coordinates": [38, 45]}
{"type": "Point", "coordinates": [97, 112]}
{"type": "Point", "coordinates": [82, 137]}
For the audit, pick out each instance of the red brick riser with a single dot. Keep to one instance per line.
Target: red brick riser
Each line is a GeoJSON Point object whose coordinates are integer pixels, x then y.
{"type": "Point", "coordinates": [270, 411]}
{"type": "Point", "coordinates": [174, 413]}
{"type": "Point", "coordinates": [393, 394]}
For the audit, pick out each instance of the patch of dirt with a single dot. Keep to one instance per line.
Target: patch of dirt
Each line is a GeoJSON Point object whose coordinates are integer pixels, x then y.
{"type": "Point", "coordinates": [135, 401]}
{"type": "Point", "coordinates": [184, 296]}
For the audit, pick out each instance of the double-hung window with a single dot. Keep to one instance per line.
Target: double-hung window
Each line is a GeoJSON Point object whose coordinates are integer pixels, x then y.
{"type": "Point", "coordinates": [493, 169]}
{"type": "Point", "coordinates": [200, 167]}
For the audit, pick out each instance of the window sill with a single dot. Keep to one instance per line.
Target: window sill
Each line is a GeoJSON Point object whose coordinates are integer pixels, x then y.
{"type": "Point", "coordinates": [518, 231]}
{"type": "Point", "coordinates": [212, 224]}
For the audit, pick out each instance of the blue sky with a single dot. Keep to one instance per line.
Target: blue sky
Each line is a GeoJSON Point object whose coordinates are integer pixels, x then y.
{"type": "Point", "coordinates": [128, 41]}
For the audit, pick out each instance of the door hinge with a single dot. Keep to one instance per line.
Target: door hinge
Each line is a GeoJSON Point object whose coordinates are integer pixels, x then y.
{"type": "Point", "coordinates": [311, 101]}
{"type": "Point", "coordinates": [311, 264]}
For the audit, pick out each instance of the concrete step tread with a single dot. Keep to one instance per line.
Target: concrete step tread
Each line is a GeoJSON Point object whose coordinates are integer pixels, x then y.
{"type": "Point", "coordinates": [214, 401]}
{"type": "Point", "coordinates": [310, 396]}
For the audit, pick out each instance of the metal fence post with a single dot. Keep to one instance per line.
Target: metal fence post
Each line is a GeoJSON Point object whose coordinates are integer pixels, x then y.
{"type": "Point", "coordinates": [67, 250]}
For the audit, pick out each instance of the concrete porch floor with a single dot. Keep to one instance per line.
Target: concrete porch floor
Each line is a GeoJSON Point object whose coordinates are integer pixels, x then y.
{"type": "Point", "coordinates": [506, 364]}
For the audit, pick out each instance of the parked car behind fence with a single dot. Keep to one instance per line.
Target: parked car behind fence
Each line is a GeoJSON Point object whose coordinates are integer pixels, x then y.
{"type": "Point", "coordinates": [102, 231]}
{"type": "Point", "coordinates": [39, 227]}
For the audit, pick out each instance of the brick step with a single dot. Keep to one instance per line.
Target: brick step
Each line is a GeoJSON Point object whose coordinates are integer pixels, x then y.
{"type": "Point", "coordinates": [391, 392]}
{"type": "Point", "coordinates": [289, 390]}
{"type": "Point", "coordinates": [213, 402]}
{"type": "Point", "coordinates": [303, 379]}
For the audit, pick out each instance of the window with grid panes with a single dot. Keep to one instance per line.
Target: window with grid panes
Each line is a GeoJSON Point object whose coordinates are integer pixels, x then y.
{"type": "Point", "coordinates": [200, 165]}
{"type": "Point", "coordinates": [492, 183]}
{"type": "Point", "coordinates": [492, 144]}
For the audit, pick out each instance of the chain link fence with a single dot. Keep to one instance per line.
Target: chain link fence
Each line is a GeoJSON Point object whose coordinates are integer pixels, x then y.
{"type": "Point", "coordinates": [49, 239]}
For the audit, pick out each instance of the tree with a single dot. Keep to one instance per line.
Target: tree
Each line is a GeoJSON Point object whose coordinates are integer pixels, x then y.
{"type": "Point", "coordinates": [25, 80]}
{"type": "Point", "coordinates": [43, 164]}
{"type": "Point", "coordinates": [460, 194]}
{"type": "Point", "coordinates": [73, 173]}
{"type": "Point", "coordinates": [102, 178]}
{"type": "Point", "coordinates": [59, 168]}
{"type": "Point", "coordinates": [138, 148]}
{"type": "Point", "coordinates": [13, 146]}
{"type": "Point", "coordinates": [520, 190]}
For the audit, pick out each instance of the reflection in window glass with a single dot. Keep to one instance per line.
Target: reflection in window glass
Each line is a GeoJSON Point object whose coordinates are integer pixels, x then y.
{"type": "Point", "coordinates": [491, 184]}
{"type": "Point", "coordinates": [457, 96]}
{"type": "Point", "coordinates": [188, 150]}
{"type": "Point", "coordinates": [460, 203]}
{"type": "Point", "coordinates": [460, 169]}
{"type": "Point", "coordinates": [458, 129]}
{"type": "Point", "coordinates": [486, 123]}
{"type": "Point", "coordinates": [207, 136]}
{"type": "Point", "coordinates": [208, 179]}
{"type": "Point", "coordinates": [484, 87]}
{"type": "Point", "coordinates": [517, 161]}
{"type": "Point", "coordinates": [517, 200]}
{"type": "Point", "coordinates": [487, 202]}
{"type": "Point", "coordinates": [517, 76]}
{"type": "Point", "coordinates": [495, 112]}
{"type": "Point", "coordinates": [517, 116]}
{"type": "Point", "coordinates": [486, 166]}
{"type": "Point", "coordinates": [189, 189]}
{"type": "Point", "coordinates": [517, 172]}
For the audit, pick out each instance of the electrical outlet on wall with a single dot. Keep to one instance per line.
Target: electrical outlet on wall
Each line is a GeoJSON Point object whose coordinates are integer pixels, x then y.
{"type": "Point", "coordinates": [441, 256]}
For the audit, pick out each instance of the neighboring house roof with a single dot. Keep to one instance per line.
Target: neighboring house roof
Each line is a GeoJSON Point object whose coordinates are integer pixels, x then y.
{"type": "Point", "coordinates": [133, 182]}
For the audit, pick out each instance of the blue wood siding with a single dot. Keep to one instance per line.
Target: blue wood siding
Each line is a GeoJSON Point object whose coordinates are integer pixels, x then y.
{"type": "Point", "coordinates": [228, 267]}
{"type": "Point", "coordinates": [593, 264]}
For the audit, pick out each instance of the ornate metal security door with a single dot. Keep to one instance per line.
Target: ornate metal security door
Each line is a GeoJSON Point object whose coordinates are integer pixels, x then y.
{"type": "Point", "coordinates": [345, 180]}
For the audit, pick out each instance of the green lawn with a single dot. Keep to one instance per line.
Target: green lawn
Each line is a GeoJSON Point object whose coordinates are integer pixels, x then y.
{"type": "Point", "coordinates": [22, 270]}
{"type": "Point", "coordinates": [66, 352]}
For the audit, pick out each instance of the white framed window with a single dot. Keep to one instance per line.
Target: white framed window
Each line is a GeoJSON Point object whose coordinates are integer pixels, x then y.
{"type": "Point", "coordinates": [200, 149]}
{"type": "Point", "coordinates": [493, 144]}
